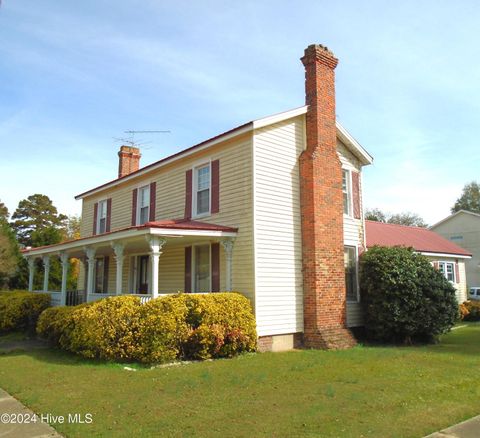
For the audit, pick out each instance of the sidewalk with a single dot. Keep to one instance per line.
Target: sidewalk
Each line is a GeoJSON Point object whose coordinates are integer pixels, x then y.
{"type": "Point", "coordinates": [9, 405]}
{"type": "Point", "coordinates": [467, 429]}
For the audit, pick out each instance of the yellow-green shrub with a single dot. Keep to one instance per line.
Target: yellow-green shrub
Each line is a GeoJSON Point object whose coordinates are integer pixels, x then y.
{"type": "Point", "coordinates": [179, 326]}
{"type": "Point", "coordinates": [472, 310]}
{"type": "Point", "coordinates": [20, 310]}
{"type": "Point", "coordinates": [221, 324]}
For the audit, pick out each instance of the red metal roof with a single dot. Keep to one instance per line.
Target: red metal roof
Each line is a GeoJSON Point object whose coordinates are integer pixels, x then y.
{"type": "Point", "coordinates": [185, 224]}
{"type": "Point", "coordinates": [420, 239]}
{"type": "Point", "coordinates": [176, 224]}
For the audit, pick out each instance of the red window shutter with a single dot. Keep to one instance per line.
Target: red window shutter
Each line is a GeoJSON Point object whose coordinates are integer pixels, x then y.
{"type": "Point", "coordinates": [356, 195]}
{"type": "Point", "coordinates": [109, 215]}
{"type": "Point", "coordinates": [95, 214]}
{"type": "Point", "coordinates": [457, 273]}
{"type": "Point", "coordinates": [188, 269]}
{"type": "Point", "coordinates": [134, 207]}
{"type": "Point", "coordinates": [215, 187]}
{"type": "Point", "coordinates": [188, 194]}
{"type": "Point", "coordinates": [215, 267]}
{"type": "Point", "coordinates": [106, 263]}
{"type": "Point", "coordinates": [153, 198]}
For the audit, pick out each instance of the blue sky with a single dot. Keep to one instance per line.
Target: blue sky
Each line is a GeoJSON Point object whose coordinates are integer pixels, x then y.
{"type": "Point", "coordinates": [75, 74]}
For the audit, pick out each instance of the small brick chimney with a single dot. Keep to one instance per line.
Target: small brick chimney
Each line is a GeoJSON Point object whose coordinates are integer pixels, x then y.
{"type": "Point", "coordinates": [128, 160]}
{"type": "Point", "coordinates": [322, 209]}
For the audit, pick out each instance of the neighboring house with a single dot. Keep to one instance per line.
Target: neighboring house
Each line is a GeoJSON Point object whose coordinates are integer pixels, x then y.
{"type": "Point", "coordinates": [444, 255]}
{"type": "Point", "coordinates": [463, 228]}
{"type": "Point", "coordinates": [272, 209]}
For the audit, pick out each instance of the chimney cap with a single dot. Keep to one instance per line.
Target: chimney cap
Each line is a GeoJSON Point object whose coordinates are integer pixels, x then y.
{"type": "Point", "coordinates": [320, 53]}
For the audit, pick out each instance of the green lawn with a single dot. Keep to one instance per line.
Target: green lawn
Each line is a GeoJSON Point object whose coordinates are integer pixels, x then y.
{"type": "Point", "coordinates": [366, 391]}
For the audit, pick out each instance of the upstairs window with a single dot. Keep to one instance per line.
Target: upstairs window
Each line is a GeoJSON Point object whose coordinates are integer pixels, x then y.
{"type": "Point", "coordinates": [202, 190]}
{"type": "Point", "coordinates": [102, 217]}
{"type": "Point", "coordinates": [143, 207]}
{"type": "Point", "coordinates": [346, 192]}
{"type": "Point", "coordinates": [351, 283]}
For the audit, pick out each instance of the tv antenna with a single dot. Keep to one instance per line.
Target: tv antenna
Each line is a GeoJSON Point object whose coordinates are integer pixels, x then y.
{"type": "Point", "coordinates": [136, 143]}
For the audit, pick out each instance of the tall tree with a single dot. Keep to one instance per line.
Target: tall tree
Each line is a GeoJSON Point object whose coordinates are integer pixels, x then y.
{"type": "Point", "coordinates": [404, 218]}
{"type": "Point", "coordinates": [36, 213]}
{"type": "Point", "coordinates": [469, 199]}
{"type": "Point", "coordinates": [9, 253]}
{"type": "Point", "coordinates": [3, 212]}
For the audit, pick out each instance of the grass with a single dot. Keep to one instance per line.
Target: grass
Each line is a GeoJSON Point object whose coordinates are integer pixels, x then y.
{"type": "Point", "coordinates": [362, 392]}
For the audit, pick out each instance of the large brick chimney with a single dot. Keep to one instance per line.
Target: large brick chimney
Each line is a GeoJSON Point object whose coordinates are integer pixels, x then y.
{"type": "Point", "coordinates": [322, 209]}
{"type": "Point", "coordinates": [128, 160]}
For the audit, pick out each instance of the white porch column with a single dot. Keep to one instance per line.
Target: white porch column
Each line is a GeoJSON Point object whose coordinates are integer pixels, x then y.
{"type": "Point", "coordinates": [64, 259]}
{"type": "Point", "coordinates": [156, 244]}
{"type": "Point", "coordinates": [31, 272]}
{"type": "Point", "coordinates": [118, 249]}
{"type": "Point", "coordinates": [90, 252]}
{"type": "Point", "coordinates": [228, 247]}
{"type": "Point", "coordinates": [46, 268]}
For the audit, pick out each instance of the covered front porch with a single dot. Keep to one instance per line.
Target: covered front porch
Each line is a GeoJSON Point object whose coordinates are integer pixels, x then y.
{"type": "Point", "coordinates": [154, 259]}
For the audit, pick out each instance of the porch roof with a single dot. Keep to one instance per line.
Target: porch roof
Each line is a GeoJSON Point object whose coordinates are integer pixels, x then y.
{"type": "Point", "coordinates": [167, 228]}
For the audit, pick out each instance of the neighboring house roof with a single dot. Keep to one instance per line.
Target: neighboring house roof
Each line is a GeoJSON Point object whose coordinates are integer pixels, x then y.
{"type": "Point", "coordinates": [471, 213]}
{"type": "Point", "coordinates": [364, 157]}
{"type": "Point", "coordinates": [420, 239]}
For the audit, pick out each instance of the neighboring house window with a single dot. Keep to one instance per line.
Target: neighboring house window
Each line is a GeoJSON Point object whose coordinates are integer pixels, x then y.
{"type": "Point", "coordinates": [448, 270]}
{"type": "Point", "coordinates": [102, 217]}
{"type": "Point", "coordinates": [143, 207]}
{"type": "Point", "coordinates": [346, 192]}
{"type": "Point", "coordinates": [351, 284]}
{"type": "Point", "coordinates": [201, 268]}
{"type": "Point", "coordinates": [201, 196]}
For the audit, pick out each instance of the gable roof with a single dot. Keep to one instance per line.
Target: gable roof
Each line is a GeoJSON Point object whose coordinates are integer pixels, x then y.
{"type": "Point", "coordinates": [471, 213]}
{"type": "Point", "coordinates": [364, 157]}
{"type": "Point", "coordinates": [420, 239]}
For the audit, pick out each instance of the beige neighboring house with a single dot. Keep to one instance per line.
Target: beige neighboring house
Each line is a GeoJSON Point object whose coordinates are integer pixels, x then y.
{"type": "Point", "coordinates": [271, 209]}
{"type": "Point", "coordinates": [446, 256]}
{"type": "Point", "coordinates": [463, 228]}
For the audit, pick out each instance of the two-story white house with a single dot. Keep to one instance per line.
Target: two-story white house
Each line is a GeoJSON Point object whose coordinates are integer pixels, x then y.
{"type": "Point", "coordinates": [271, 209]}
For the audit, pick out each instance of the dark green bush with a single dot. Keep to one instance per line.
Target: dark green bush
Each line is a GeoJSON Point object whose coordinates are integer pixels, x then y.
{"type": "Point", "coordinates": [405, 299]}
{"type": "Point", "coordinates": [20, 310]}
{"type": "Point", "coordinates": [180, 326]}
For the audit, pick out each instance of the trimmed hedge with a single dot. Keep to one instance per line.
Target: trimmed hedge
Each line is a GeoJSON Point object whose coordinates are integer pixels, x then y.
{"type": "Point", "coordinates": [404, 297]}
{"type": "Point", "coordinates": [20, 310]}
{"type": "Point", "coordinates": [180, 326]}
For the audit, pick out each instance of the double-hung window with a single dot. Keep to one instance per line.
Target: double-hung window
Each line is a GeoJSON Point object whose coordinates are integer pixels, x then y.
{"type": "Point", "coordinates": [351, 284]}
{"type": "Point", "coordinates": [202, 190]}
{"type": "Point", "coordinates": [143, 208]}
{"type": "Point", "coordinates": [347, 209]}
{"type": "Point", "coordinates": [448, 270]}
{"type": "Point", "coordinates": [100, 276]}
{"type": "Point", "coordinates": [102, 217]}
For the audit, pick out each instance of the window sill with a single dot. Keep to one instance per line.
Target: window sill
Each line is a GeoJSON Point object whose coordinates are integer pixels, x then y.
{"type": "Point", "coordinates": [201, 216]}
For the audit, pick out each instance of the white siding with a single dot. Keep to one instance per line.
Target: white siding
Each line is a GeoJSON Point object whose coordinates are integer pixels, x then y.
{"type": "Point", "coordinates": [277, 229]}
{"type": "Point", "coordinates": [463, 229]}
{"type": "Point", "coordinates": [353, 229]}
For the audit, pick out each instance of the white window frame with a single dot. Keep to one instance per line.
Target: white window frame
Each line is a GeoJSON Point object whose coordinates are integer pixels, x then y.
{"type": "Point", "coordinates": [444, 273]}
{"type": "Point", "coordinates": [99, 216]}
{"type": "Point", "coordinates": [195, 169]}
{"type": "Point", "coordinates": [349, 192]}
{"type": "Point", "coordinates": [355, 249]}
{"type": "Point", "coordinates": [142, 187]}
{"type": "Point", "coordinates": [193, 268]}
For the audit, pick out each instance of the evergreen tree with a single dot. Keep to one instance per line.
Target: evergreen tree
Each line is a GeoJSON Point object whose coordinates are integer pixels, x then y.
{"type": "Point", "coordinates": [469, 199]}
